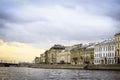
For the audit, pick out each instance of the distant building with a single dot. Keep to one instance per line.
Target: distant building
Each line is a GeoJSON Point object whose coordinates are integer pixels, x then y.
{"type": "Point", "coordinates": [42, 58]}
{"type": "Point", "coordinates": [64, 56]}
{"type": "Point", "coordinates": [52, 53]}
{"type": "Point", "coordinates": [104, 52]}
{"type": "Point", "coordinates": [46, 57]}
{"type": "Point", "coordinates": [82, 54]}
{"type": "Point", "coordinates": [37, 60]}
{"type": "Point", "coordinates": [75, 56]}
{"type": "Point", "coordinates": [89, 54]}
{"type": "Point", "coordinates": [117, 46]}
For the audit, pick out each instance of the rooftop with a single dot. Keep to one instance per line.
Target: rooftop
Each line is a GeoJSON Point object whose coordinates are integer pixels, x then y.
{"type": "Point", "coordinates": [85, 46]}
{"type": "Point", "coordinates": [109, 41]}
{"type": "Point", "coordinates": [117, 34]}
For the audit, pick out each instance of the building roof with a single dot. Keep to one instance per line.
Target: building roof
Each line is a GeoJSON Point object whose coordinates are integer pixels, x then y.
{"type": "Point", "coordinates": [85, 46]}
{"type": "Point", "coordinates": [91, 46]}
{"type": "Point", "coordinates": [109, 41]}
{"type": "Point", "coordinates": [58, 46]}
{"type": "Point", "coordinates": [67, 49]}
{"type": "Point", "coordinates": [117, 34]}
{"type": "Point", "coordinates": [37, 57]}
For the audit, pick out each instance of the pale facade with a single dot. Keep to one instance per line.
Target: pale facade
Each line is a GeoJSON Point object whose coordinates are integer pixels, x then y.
{"type": "Point", "coordinates": [117, 46]}
{"type": "Point", "coordinates": [64, 56]}
{"type": "Point", "coordinates": [104, 52]}
{"type": "Point", "coordinates": [37, 60]}
{"type": "Point", "coordinates": [42, 58]}
{"type": "Point", "coordinates": [52, 53]}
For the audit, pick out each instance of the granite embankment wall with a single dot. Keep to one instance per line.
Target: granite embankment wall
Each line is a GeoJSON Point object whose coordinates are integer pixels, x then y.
{"type": "Point", "coordinates": [58, 66]}
{"type": "Point", "coordinates": [69, 66]}
{"type": "Point", "coordinates": [104, 67]}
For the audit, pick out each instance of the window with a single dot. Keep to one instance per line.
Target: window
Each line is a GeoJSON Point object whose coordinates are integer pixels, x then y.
{"type": "Point", "coordinates": [108, 48]}
{"type": "Point", "coordinates": [106, 54]}
{"type": "Point", "coordinates": [112, 54]}
{"type": "Point", "coordinates": [112, 47]}
{"type": "Point", "coordinates": [104, 48]}
{"type": "Point", "coordinates": [103, 55]}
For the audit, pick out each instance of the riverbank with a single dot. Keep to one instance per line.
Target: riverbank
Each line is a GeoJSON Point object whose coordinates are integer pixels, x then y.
{"type": "Point", "coordinates": [58, 66]}
{"type": "Point", "coordinates": [104, 67]}
{"type": "Point", "coordinates": [83, 67]}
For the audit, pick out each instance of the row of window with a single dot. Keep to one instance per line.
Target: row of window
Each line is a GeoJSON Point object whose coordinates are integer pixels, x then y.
{"type": "Point", "coordinates": [104, 55]}
{"type": "Point", "coordinates": [118, 45]}
{"type": "Point", "coordinates": [109, 48]}
{"type": "Point", "coordinates": [108, 61]}
{"type": "Point", "coordinates": [117, 39]}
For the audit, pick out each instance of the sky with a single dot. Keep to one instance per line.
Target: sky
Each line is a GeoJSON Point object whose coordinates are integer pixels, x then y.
{"type": "Point", "coordinates": [29, 27]}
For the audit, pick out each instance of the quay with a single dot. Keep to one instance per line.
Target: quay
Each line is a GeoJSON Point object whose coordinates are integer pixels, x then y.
{"type": "Point", "coordinates": [82, 67]}
{"type": "Point", "coordinates": [58, 66]}
{"type": "Point", "coordinates": [115, 67]}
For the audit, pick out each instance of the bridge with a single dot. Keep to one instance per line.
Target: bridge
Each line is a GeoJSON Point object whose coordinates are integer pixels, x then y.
{"type": "Point", "coordinates": [5, 63]}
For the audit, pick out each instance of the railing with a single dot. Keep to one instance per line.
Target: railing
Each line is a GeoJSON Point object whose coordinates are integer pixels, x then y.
{"type": "Point", "coordinates": [8, 61]}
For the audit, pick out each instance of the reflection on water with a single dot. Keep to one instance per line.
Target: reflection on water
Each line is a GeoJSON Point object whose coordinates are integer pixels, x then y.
{"type": "Point", "coordinates": [16, 73]}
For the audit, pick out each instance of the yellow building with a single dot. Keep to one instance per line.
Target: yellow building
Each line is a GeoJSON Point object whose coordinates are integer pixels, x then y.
{"type": "Point", "coordinates": [37, 60]}
{"type": "Point", "coordinates": [46, 56]}
{"type": "Point", "coordinates": [76, 55]}
{"type": "Point", "coordinates": [117, 48]}
{"type": "Point", "coordinates": [42, 58]}
{"type": "Point", "coordinates": [89, 54]}
{"type": "Point", "coordinates": [83, 54]}
{"type": "Point", "coordinates": [52, 53]}
{"type": "Point", "coordinates": [64, 56]}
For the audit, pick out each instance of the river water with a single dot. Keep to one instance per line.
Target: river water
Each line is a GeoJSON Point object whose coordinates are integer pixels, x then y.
{"type": "Point", "coordinates": [21, 73]}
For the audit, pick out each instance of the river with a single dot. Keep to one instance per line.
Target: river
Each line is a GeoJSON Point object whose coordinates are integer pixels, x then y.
{"type": "Point", "coordinates": [21, 73]}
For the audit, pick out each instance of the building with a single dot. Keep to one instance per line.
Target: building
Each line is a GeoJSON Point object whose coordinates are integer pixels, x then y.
{"type": "Point", "coordinates": [117, 47]}
{"type": "Point", "coordinates": [42, 58]}
{"type": "Point", "coordinates": [89, 54]}
{"type": "Point", "coordinates": [83, 54]}
{"type": "Point", "coordinates": [104, 52]}
{"type": "Point", "coordinates": [46, 57]}
{"type": "Point", "coordinates": [64, 56]}
{"type": "Point", "coordinates": [52, 53]}
{"type": "Point", "coordinates": [37, 60]}
{"type": "Point", "coordinates": [77, 54]}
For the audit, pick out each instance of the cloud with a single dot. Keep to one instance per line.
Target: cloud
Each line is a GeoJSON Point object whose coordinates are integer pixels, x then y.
{"type": "Point", "coordinates": [45, 22]}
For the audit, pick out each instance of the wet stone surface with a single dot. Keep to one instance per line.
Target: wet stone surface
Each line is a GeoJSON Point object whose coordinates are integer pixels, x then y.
{"type": "Point", "coordinates": [17, 73]}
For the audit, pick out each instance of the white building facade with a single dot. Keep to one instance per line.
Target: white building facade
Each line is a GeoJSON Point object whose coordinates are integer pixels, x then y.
{"type": "Point", "coordinates": [104, 52]}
